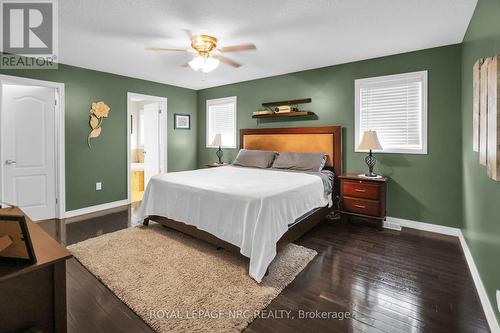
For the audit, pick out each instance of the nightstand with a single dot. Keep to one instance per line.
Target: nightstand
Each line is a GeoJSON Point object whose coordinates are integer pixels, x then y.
{"type": "Point", "coordinates": [363, 197]}
{"type": "Point", "coordinates": [215, 165]}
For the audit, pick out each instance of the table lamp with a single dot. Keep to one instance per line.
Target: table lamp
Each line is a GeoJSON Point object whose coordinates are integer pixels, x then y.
{"type": "Point", "coordinates": [217, 142]}
{"type": "Point", "coordinates": [370, 141]}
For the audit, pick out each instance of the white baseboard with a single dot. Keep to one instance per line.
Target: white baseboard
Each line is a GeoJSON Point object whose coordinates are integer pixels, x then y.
{"type": "Point", "coordinates": [394, 222]}
{"type": "Point", "coordinates": [397, 223]}
{"type": "Point", "coordinates": [96, 208]}
{"type": "Point", "coordinates": [483, 296]}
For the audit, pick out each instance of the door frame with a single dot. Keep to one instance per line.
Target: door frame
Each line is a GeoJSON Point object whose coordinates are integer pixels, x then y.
{"type": "Point", "coordinates": [59, 149]}
{"type": "Point", "coordinates": [162, 135]}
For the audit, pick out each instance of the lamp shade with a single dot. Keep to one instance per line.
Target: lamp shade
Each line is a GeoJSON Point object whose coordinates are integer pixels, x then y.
{"type": "Point", "coordinates": [210, 64]}
{"type": "Point", "coordinates": [217, 141]}
{"type": "Point", "coordinates": [196, 63]}
{"type": "Point", "coordinates": [206, 64]}
{"type": "Point", "coordinates": [370, 141]}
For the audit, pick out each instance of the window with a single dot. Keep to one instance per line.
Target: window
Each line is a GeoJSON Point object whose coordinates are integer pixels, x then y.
{"type": "Point", "coordinates": [396, 107]}
{"type": "Point", "coordinates": [221, 118]}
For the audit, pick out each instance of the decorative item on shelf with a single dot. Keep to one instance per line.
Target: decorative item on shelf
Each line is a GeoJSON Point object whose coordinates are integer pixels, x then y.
{"type": "Point", "coordinates": [217, 142]}
{"type": "Point", "coordinates": [98, 111]}
{"type": "Point", "coordinates": [262, 112]}
{"type": "Point", "coordinates": [182, 121]}
{"type": "Point", "coordinates": [283, 109]}
{"type": "Point", "coordinates": [370, 142]}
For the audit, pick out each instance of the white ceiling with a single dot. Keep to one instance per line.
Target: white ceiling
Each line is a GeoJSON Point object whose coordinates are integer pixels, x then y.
{"type": "Point", "coordinates": [290, 35]}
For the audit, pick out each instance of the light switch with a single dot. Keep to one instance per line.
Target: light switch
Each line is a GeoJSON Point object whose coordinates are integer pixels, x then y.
{"type": "Point", "coordinates": [98, 186]}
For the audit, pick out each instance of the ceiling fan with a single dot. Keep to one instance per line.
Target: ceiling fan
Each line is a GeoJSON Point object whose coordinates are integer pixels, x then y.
{"type": "Point", "coordinates": [208, 55]}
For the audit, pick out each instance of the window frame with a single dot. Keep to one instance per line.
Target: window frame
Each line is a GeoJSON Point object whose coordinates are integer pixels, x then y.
{"type": "Point", "coordinates": [215, 101]}
{"type": "Point", "coordinates": [422, 76]}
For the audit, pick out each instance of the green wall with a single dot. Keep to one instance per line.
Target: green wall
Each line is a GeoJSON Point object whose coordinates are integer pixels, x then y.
{"type": "Point", "coordinates": [481, 194]}
{"type": "Point", "coordinates": [424, 188]}
{"type": "Point", "coordinates": [106, 161]}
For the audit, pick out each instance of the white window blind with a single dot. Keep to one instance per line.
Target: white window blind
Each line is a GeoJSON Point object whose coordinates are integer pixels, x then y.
{"type": "Point", "coordinates": [396, 107]}
{"type": "Point", "coordinates": [221, 118]}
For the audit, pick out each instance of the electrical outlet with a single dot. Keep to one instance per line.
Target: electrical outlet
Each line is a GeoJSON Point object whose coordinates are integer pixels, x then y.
{"type": "Point", "coordinates": [498, 300]}
{"type": "Point", "coordinates": [98, 186]}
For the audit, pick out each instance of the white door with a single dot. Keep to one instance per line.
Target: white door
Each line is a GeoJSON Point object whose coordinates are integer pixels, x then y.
{"type": "Point", "coordinates": [28, 149]}
{"type": "Point", "coordinates": [151, 141]}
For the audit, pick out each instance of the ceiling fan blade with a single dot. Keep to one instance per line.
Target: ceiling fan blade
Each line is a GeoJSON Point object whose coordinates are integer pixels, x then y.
{"type": "Point", "coordinates": [188, 32]}
{"type": "Point", "coordinates": [165, 49]}
{"type": "Point", "coordinates": [237, 48]}
{"type": "Point", "coordinates": [227, 61]}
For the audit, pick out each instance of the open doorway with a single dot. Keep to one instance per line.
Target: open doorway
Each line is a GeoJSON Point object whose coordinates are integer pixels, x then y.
{"type": "Point", "coordinates": [147, 124]}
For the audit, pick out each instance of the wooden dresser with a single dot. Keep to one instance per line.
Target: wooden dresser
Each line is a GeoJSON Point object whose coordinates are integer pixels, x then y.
{"type": "Point", "coordinates": [363, 197]}
{"type": "Point", "coordinates": [34, 296]}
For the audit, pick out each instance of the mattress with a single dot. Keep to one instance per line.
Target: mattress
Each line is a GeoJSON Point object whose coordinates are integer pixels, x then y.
{"type": "Point", "coordinates": [303, 217]}
{"type": "Point", "coordinates": [247, 207]}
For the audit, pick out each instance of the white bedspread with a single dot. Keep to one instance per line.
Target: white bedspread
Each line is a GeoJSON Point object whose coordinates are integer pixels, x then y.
{"type": "Point", "coordinates": [249, 208]}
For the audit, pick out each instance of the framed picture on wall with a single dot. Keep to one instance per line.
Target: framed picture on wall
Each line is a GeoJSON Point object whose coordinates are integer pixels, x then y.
{"type": "Point", "coordinates": [182, 121]}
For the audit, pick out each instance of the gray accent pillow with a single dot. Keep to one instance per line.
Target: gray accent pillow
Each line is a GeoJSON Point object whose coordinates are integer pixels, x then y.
{"type": "Point", "coordinates": [255, 158]}
{"type": "Point", "coordinates": [300, 161]}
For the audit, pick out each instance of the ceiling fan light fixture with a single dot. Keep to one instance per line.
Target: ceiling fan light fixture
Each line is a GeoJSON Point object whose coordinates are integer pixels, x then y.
{"type": "Point", "coordinates": [196, 63]}
{"type": "Point", "coordinates": [210, 64]}
{"type": "Point", "coordinates": [208, 56]}
{"type": "Point", "coordinates": [206, 64]}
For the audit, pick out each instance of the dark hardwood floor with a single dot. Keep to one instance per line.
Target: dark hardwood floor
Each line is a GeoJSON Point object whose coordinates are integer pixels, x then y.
{"type": "Point", "coordinates": [389, 281]}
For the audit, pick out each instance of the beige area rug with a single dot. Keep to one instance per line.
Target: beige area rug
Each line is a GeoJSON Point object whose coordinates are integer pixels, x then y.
{"type": "Point", "coordinates": [176, 283]}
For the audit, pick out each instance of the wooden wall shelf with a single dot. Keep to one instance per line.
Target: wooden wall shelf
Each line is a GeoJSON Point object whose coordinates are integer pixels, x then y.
{"type": "Point", "coordinates": [284, 115]}
{"type": "Point", "coordinates": [290, 102]}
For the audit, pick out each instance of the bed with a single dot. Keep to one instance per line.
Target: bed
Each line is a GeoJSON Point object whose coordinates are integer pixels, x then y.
{"type": "Point", "coordinates": [248, 210]}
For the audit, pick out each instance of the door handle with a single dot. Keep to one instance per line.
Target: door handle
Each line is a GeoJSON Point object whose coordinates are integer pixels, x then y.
{"type": "Point", "coordinates": [10, 162]}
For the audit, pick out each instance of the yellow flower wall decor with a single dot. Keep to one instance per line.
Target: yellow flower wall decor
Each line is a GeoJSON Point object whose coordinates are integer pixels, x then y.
{"type": "Point", "coordinates": [98, 111]}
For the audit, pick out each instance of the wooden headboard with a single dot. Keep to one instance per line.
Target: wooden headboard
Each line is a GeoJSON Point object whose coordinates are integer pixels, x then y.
{"type": "Point", "coordinates": [324, 139]}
